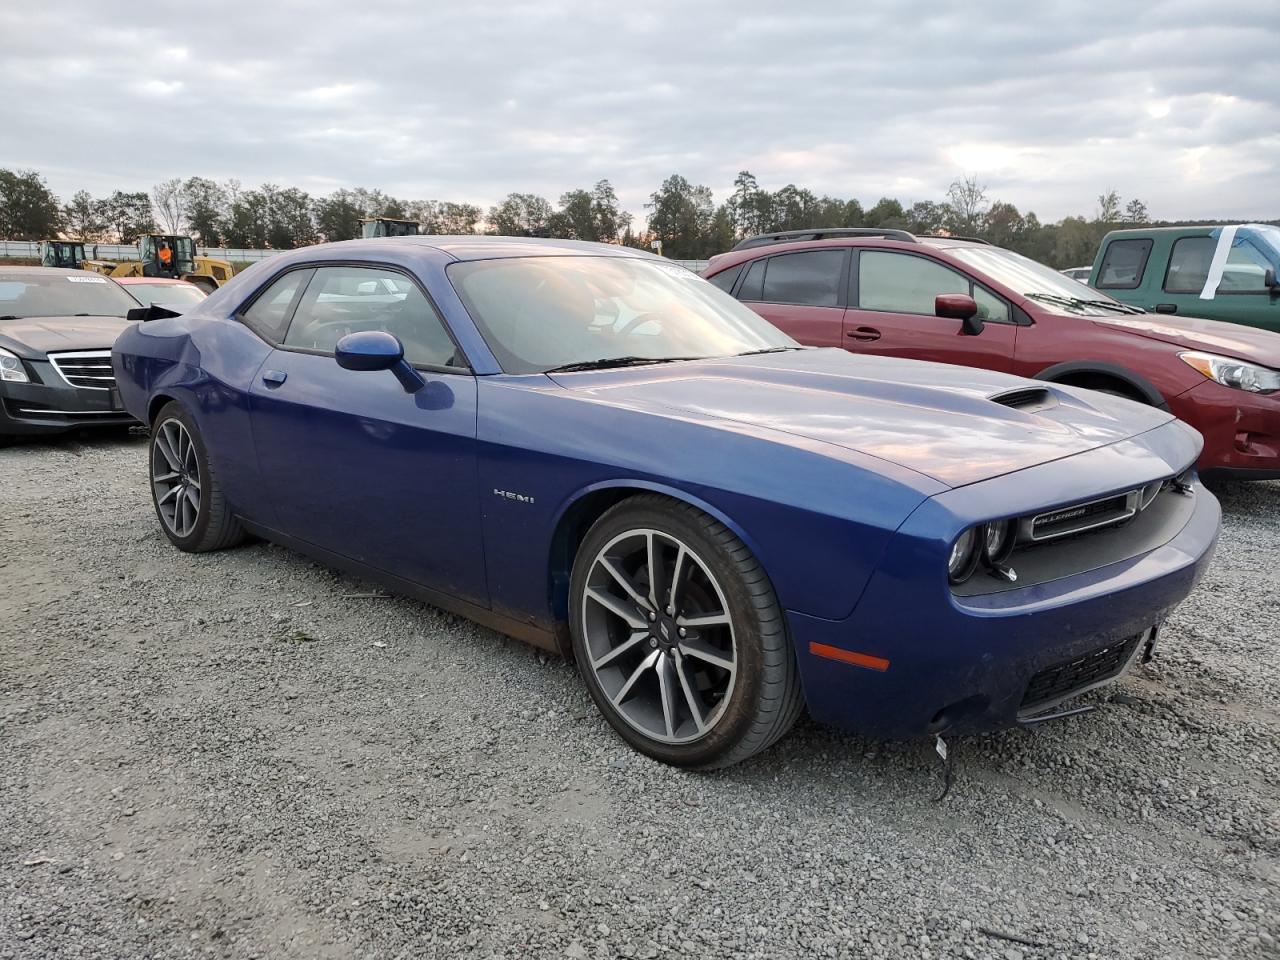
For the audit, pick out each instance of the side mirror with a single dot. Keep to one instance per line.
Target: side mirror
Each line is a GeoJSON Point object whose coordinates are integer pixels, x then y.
{"type": "Point", "coordinates": [377, 350]}
{"type": "Point", "coordinates": [1269, 281]}
{"type": "Point", "coordinates": [962, 307]}
{"type": "Point", "coordinates": [153, 312]}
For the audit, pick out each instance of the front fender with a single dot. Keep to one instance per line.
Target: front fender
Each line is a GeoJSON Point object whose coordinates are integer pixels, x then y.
{"type": "Point", "coordinates": [207, 366]}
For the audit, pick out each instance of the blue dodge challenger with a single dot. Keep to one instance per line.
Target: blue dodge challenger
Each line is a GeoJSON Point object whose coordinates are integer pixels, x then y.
{"type": "Point", "coordinates": [593, 450]}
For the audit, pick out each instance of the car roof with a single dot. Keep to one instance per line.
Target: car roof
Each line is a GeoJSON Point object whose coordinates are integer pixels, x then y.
{"type": "Point", "coordinates": [1185, 228]}
{"type": "Point", "coordinates": [468, 247]}
{"type": "Point", "coordinates": [42, 272]}
{"type": "Point", "coordinates": [167, 281]}
{"type": "Point", "coordinates": [732, 258]}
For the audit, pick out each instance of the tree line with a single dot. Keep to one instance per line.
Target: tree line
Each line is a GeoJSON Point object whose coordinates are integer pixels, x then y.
{"type": "Point", "coordinates": [684, 216]}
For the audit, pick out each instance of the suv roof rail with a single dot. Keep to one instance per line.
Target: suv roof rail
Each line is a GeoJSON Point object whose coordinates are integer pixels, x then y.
{"type": "Point", "coordinates": [952, 236]}
{"type": "Point", "coordinates": [823, 233]}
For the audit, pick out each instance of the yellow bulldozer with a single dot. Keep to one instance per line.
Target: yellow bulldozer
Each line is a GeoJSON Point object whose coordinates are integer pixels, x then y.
{"type": "Point", "coordinates": [62, 253]}
{"type": "Point", "coordinates": [387, 227]}
{"type": "Point", "coordinates": [166, 255]}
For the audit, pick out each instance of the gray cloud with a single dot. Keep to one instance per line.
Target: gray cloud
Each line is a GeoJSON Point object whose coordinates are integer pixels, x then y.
{"type": "Point", "coordinates": [1048, 103]}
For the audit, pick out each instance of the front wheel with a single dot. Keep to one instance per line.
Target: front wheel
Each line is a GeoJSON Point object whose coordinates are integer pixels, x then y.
{"type": "Point", "coordinates": [186, 494]}
{"type": "Point", "coordinates": [679, 636]}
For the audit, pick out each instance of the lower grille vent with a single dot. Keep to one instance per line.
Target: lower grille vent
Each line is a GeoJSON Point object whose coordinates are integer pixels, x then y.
{"type": "Point", "coordinates": [1064, 679]}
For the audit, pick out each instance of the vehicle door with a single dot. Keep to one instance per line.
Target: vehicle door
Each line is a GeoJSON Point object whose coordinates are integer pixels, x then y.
{"type": "Point", "coordinates": [1241, 295]}
{"type": "Point", "coordinates": [891, 312]}
{"type": "Point", "coordinates": [800, 294]}
{"type": "Point", "coordinates": [351, 461]}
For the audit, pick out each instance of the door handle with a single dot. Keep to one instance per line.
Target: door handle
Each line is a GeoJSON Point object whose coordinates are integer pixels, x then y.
{"type": "Point", "coordinates": [273, 378]}
{"type": "Point", "coordinates": [865, 334]}
{"type": "Point", "coordinates": [1166, 308]}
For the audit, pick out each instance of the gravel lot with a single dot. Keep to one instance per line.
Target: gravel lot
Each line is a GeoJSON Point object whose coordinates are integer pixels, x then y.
{"type": "Point", "coordinates": [230, 755]}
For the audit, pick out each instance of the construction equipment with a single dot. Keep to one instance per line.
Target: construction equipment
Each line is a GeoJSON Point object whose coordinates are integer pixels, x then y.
{"type": "Point", "coordinates": [62, 253]}
{"type": "Point", "coordinates": [167, 255]}
{"type": "Point", "coordinates": [387, 227]}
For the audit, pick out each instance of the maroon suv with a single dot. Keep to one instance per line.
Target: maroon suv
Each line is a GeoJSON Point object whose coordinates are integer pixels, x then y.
{"type": "Point", "coordinates": [964, 301]}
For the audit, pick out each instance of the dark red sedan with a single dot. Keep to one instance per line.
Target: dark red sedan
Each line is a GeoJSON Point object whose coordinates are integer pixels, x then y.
{"type": "Point", "coordinates": [966, 302]}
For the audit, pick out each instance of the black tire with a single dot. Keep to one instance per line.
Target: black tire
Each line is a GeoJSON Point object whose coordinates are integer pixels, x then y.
{"type": "Point", "coordinates": [215, 527]}
{"type": "Point", "coordinates": [765, 699]}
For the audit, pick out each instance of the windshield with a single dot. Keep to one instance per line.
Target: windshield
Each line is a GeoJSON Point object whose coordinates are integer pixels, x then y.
{"type": "Point", "coordinates": [537, 313]}
{"type": "Point", "coordinates": [1264, 237]}
{"type": "Point", "coordinates": [1024, 275]}
{"type": "Point", "coordinates": [62, 295]}
{"type": "Point", "coordinates": [166, 294]}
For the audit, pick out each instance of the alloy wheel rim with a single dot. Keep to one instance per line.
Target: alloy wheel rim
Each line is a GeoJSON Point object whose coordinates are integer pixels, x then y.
{"type": "Point", "coordinates": [662, 648]}
{"type": "Point", "coordinates": [175, 478]}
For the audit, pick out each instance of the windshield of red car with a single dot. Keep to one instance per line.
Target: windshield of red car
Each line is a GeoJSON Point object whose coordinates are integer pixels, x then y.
{"type": "Point", "coordinates": [62, 295]}
{"type": "Point", "coordinates": [537, 313]}
{"type": "Point", "coordinates": [167, 294]}
{"type": "Point", "coordinates": [1022, 274]}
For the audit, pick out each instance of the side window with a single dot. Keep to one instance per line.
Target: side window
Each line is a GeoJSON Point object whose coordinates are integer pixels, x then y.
{"type": "Point", "coordinates": [1123, 264]}
{"type": "Point", "coordinates": [902, 283]}
{"type": "Point", "coordinates": [811, 278]}
{"type": "Point", "coordinates": [1189, 264]}
{"type": "Point", "coordinates": [1244, 270]}
{"type": "Point", "coordinates": [725, 278]}
{"type": "Point", "coordinates": [753, 287]}
{"type": "Point", "coordinates": [990, 307]}
{"type": "Point", "coordinates": [342, 300]}
{"type": "Point", "coordinates": [268, 314]}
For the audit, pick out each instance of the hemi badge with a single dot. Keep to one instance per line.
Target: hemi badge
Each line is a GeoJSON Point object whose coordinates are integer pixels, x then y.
{"type": "Point", "coordinates": [849, 656]}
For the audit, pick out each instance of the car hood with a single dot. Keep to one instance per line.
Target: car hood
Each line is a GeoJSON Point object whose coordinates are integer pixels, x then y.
{"type": "Point", "coordinates": [1196, 333]}
{"type": "Point", "coordinates": [936, 419]}
{"type": "Point", "coordinates": [33, 337]}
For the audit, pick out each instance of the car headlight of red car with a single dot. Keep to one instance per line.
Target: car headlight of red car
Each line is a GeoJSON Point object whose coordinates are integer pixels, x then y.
{"type": "Point", "coordinates": [1233, 373]}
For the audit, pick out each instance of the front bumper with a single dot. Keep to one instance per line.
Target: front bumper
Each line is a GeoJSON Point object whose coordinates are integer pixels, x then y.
{"type": "Point", "coordinates": [48, 404]}
{"type": "Point", "coordinates": [970, 664]}
{"type": "Point", "coordinates": [1241, 431]}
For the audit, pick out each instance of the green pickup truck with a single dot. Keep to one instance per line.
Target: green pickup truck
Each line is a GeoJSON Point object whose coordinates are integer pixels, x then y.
{"type": "Point", "coordinates": [1222, 273]}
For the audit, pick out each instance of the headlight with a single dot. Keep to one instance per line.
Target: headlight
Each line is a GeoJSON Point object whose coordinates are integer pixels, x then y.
{"type": "Point", "coordinates": [11, 368]}
{"type": "Point", "coordinates": [1233, 373]}
{"type": "Point", "coordinates": [997, 542]}
{"type": "Point", "coordinates": [964, 556]}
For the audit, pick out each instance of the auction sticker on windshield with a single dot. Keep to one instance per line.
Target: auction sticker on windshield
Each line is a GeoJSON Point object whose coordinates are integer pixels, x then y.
{"type": "Point", "coordinates": [87, 279]}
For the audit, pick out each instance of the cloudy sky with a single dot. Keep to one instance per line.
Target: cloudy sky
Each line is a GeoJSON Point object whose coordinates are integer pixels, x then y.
{"type": "Point", "coordinates": [1048, 103]}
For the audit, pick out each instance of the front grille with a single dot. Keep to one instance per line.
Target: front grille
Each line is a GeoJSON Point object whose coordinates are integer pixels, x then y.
{"type": "Point", "coordinates": [87, 369]}
{"type": "Point", "coordinates": [1082, 516]}
{"type": "Point", "coordinates": [1062, 680]}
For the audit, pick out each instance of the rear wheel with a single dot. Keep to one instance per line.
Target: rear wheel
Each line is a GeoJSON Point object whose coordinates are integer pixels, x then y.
{"type": "Point", "coordinates": [679, 637]}
{"type": "Point", "coordinates": [186, 493]}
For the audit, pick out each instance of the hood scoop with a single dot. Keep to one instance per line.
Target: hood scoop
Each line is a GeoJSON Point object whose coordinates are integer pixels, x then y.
{"type": "Point", "coordinates": [1026, 399]}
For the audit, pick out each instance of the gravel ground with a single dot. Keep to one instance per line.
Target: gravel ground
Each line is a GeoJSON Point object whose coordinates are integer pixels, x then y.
{"type": "Point", "coordinates": [229, 755]}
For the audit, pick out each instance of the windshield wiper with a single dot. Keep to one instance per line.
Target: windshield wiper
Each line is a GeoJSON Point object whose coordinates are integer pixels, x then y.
{"type": "Point", "coordinates": [10, 316]}
{"type": "Point", "coordinates": [609, 362]}
{"type": "Point", "coordinates": [755, 353]}
{"type": "Point", "coordinates": [1114, 305]}
{"type": "Point", "coordinates": [1081, 302]}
